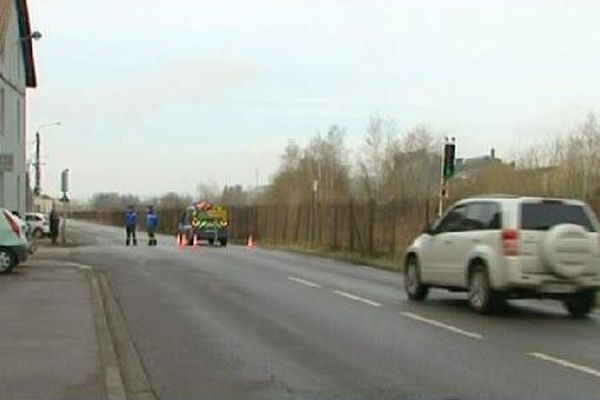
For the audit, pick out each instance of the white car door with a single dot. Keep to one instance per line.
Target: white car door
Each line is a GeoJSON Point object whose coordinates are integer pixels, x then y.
{"type": "Point", "coordinates": [441, 250]}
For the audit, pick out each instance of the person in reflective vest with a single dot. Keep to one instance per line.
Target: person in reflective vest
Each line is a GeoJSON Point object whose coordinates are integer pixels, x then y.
{"type": "Point", "coordinates": [151, 224]}
{"type": "Point", "coordinates": [130, 225]}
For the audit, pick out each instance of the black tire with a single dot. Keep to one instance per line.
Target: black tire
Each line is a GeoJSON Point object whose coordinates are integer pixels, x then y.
{"type": "Point", "coordinates": [580, 304]}
{"type": "Point", "coordinates": [38, 234]}
{"type": "Point", "coordinates": [223, 242]}
{"type": "Point", "coordinates": [482, 298]}
{"type": "Point", "coordinates": [8, 261]}
{"type": "Point", "coordinates": [415, 289]}
{"type": "Point", "coordinates": [211, 242]}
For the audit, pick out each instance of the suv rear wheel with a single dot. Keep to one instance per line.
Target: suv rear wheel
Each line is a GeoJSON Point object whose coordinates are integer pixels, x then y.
{"type": "Point", "coordinates": [482, 297]}
{"type": "Point", "coordinates": [415, 289]}
{"type": "Point", "coordinates": [580, 304]}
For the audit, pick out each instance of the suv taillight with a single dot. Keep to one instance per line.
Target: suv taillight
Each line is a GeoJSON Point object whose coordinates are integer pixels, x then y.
{"type": "Point", "coordinates": [510, 242]}
{"type": "Point", "coordinates": [13, 224]}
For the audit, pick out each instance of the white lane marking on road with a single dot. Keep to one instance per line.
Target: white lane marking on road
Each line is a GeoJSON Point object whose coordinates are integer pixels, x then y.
{"type": "Point", "coordinates": [357, 298]}
{"type": "Point", "coordinates": [442, 325]}
{"type": "Point", "coordinates": [567, 364]}
{"type": "Point", "coordinates": [80, 266]}
{"type": "Point", "coordinates": [305, 282]}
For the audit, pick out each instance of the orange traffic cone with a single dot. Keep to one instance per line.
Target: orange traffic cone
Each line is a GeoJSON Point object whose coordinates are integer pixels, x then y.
{"type": "Point", "coordinates": [250, 242]}
{"type": "Point", "coordinates": [196, 241]}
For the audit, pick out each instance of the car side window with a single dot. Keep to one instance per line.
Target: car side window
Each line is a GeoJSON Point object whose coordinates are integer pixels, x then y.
{"type": "Point", "coordinates": [483, 216]}
{"type": "Point", "coordinates": [453, 221]}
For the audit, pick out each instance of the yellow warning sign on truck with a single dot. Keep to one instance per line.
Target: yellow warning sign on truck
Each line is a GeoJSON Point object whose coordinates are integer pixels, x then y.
{"type": "Point", "coordinates": [218, 213]}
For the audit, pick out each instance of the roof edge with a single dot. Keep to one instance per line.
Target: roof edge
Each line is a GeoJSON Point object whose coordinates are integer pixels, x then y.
{"type": "Point", "coordinates": [27, 45]}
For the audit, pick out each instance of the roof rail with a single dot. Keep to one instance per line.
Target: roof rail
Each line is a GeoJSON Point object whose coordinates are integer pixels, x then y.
{"type": "Point", "coordinates": [495, 196]}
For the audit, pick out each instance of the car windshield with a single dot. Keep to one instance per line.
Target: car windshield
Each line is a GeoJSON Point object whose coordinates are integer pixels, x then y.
{"type": "Point", "coordinates": [543, 216]}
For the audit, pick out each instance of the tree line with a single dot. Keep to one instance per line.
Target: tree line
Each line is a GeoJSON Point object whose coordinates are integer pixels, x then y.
{"type": "Point", "coordinates": [400, 165]}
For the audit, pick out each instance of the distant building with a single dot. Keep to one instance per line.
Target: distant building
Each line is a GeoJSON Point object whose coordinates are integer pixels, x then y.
{"type": "Point", "coordinates": [17, 73]}
{"type": "Point", "coordinates": [465, 166]}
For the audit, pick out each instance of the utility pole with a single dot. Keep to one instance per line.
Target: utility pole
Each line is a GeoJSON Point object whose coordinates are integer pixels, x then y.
{"type": "Point", "coordinates": [37, 190]}
{"type": "Point", "coordinates": [64, 187]}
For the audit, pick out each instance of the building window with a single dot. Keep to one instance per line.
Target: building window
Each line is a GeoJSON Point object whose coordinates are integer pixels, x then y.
{"type": "Point", "coordinates": [2, 113]}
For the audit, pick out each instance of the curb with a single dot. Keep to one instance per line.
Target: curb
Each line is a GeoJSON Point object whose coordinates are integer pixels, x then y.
{"type": "Point", "coordinates": [115, 389]}
{"type": "Point", "coordinates": [133, 373]}
{"type": "Point", "coordinates": [125, 376]}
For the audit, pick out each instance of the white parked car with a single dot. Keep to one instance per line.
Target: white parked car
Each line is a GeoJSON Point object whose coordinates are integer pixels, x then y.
{"type": "Point", "coordinates": [14, 246]}
{"type": "Point", "coordinates": [39, 224]}
{"type": "Point", "coordinates": [503, 247]}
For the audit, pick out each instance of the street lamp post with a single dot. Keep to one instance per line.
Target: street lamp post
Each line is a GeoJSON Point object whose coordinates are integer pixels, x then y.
{"type": "Point", "coordinates": [37, 190]}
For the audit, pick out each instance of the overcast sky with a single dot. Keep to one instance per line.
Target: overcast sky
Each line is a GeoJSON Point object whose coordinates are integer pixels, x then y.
{"type": "Point", "coordinates": [158, 95]}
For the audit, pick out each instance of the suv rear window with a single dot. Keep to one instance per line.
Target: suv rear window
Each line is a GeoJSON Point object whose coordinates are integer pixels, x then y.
{"type": "Point", "coordinates": [545, 215]}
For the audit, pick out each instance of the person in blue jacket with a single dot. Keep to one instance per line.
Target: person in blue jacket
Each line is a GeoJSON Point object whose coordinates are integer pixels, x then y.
{"type": "Point", "coordinates": [130, 225]}
{"type": "Point", "coordinates": [151, 224]}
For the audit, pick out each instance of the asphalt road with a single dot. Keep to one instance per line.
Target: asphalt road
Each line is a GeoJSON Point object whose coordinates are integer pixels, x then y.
{"type": "Point", "coordinates": [228, 323]}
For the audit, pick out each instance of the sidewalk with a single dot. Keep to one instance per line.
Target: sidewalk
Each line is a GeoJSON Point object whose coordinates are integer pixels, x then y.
{"type": "Point", "coordinates": [48, 341]}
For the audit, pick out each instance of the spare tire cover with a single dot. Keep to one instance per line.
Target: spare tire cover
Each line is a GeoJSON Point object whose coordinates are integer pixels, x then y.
{"type": "Point", "coordinates": [567, 250]}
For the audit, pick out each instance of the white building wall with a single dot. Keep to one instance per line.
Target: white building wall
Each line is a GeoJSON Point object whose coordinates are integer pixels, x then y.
{"type": "Point", "coordinates": [12, 107]}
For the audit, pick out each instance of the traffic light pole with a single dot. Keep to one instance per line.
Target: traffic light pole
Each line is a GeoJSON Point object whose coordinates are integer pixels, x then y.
{"type": "Point", "coordinates": [447, 171]}
{"type": "Point", "coordinates": [441, 194]}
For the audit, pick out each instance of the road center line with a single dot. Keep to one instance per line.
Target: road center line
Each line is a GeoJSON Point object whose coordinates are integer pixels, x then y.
{"type": "Point", "coordinates": [305, 282]}
{"type": "Point", "coordinates": [567, 364]}
{"type": "Point", "coordinates": [442, 325]}
{"type": "Point", "coordinates": [361, 299]}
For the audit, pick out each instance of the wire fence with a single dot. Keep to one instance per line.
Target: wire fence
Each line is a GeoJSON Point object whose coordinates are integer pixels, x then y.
{"type": "Point", "coordinates": [368, 229]}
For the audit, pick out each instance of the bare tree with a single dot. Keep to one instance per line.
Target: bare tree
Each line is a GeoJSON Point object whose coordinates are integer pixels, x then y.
{"type": "Point", "coordinates": [208, 192]}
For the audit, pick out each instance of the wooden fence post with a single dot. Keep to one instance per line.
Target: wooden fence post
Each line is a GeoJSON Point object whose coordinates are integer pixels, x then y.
{"type": "Point", "coordinates": [335, 227]}
{"type": "Point", "coordinates": [286, 209]}
{"type": "Point", "coordinates": [307, 242]}
{"type": "Point", "coordinates": [351, 225]}
{"type": "Point", "coordinates": [393, 218]}
{"type": "Point", "coordinates": [297, 226]}
{"type": "Point", "coordinates": [371, 226]}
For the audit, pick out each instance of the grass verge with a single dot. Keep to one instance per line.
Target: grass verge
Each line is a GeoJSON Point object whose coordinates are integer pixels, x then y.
{"type": "Point", "coordinates": [381, 262]}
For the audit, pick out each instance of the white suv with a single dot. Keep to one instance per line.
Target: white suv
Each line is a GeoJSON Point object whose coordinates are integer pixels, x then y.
{"type": "Point", "coordinates": [503, 247]}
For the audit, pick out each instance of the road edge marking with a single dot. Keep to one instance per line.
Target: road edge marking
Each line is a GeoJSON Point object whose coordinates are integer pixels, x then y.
{"type": "Point", "coordinates": [357, 298]}
{"type": "Point", "coordinates": [565, 363]}
{"type": "Point", "coordinates": [305, 282]}
{"type": "Point", "coordinates": [442, 325]}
